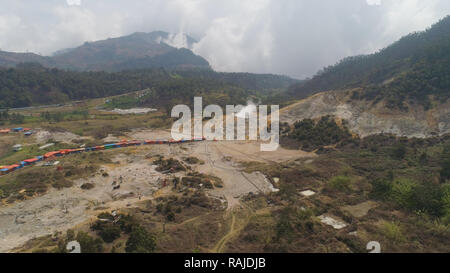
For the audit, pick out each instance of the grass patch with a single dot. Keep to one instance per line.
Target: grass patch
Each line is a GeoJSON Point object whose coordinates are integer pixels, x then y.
{"type": "Point", "coordinates": [393, 232]}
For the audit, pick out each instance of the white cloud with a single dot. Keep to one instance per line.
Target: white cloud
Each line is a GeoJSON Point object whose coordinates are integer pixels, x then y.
{"type": "Point", "coordinates": [177, 40]}
{"type": "Point", "coordinates": [73, 2]}
{"type": "Point", "coordinates": [294, 37]}
{"type": "Point", "coordinates": [373, 2]}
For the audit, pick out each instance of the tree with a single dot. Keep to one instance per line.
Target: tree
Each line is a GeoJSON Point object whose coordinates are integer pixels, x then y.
{"type": "Point", "coordinates": [140, 241]}
{"type": "Point", "coordinates": [381, 188]}
{"type": "Point", "coordinates": [445, 163]}
{"type": "Point", "coordinates": [89, 244]}
{"type": "Point", "coordinates": [399, 151]}
{"type": "Point", "coordinates": [109, 232]}
{"type": "Point", "coordinates": [402, 192]}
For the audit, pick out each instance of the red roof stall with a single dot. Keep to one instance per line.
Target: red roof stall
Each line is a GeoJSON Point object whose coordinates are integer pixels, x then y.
{"type": "Point", "coordinates": [50, 154]}
{"type": "Point", "coordinates": [9, 169]}
{"type": "Point", "coordinates": [31, 161]}
{"type": "Point", "coordinates": [68, 151]}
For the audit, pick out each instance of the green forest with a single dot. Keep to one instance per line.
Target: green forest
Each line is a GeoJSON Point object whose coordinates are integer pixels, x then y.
{"type": "Point", "coordinates": [411, 70]}
{"type": "Point", "coordinates": [32, 84]}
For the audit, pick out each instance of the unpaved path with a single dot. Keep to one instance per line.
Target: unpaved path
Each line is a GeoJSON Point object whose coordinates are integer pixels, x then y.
{"type": "Point", "coordinates": [236, 183]}
{"type": "Point", "coordinates": [240, 217]}
{"type": "Point", "coordinates": [220, 246]}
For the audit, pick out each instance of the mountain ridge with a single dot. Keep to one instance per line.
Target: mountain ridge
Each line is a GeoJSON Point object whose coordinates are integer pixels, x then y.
{"type": "Point", "coordinates": [145, 50]}
{"type": "Point", "coordinates": [403, 89]}
{"type": "Point", "coordinates": [399, 71]}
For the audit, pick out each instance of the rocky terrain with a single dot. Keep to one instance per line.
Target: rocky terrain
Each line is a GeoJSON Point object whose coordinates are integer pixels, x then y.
{"type": "Point", "coordinates": [366, 119]}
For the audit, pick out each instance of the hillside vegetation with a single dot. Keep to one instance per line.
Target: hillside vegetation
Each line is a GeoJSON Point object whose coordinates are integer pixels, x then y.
{"type": "Point", "coordinates": [414, 69]}
{"type": "Point", "coordinates": [32, 84]}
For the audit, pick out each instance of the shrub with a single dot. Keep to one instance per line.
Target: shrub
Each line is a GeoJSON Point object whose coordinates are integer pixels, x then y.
{"type": "Point", "coordinates": [87, 186]}
{"type": "Point", "coordinates": [170, 216]}
{"type": "Point", "coordinates": [312, 135]}
{"type": "Point", "coordinates": [381, 189]}
{"type": "Point", "coordinates": [283, 227]}
{"type": "Point", "coordinates": [445, 163]}
{"type": "Point", "coordinates": [398, 151]}
{"type": "Point", "coordinates": [109, 232]}
{"type": "Point", "coordinates": [105, 215]}
{"type": "Point", "coordinates": [140, 241]}
{"type": "Point", "coordinates": [428, 198]}
{"type": "Point", "coordinates": [193, 160]}
{"type": "Point", "coordinates": [287, 192]}
{"type": "Point", "coordinates": [393, 232]}
{"type": "Point", "coordinates": [402, 192]}
{"type": "Point", "coordinates": [340, 182]}
{"type": "Point", "coordinates": [62, 183]}
{"type": "Point", "coordinates": [127, 223]}
{"type": "Point", "coordinates": [89, 244]}
{"type": "Point", "coordinates": [70, 234]}
{"type": "Point", "coordinates": [446, 204]}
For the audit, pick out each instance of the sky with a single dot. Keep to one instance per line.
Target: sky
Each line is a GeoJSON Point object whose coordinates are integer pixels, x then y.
{"type": "Point", "coordinates": [289, 37]}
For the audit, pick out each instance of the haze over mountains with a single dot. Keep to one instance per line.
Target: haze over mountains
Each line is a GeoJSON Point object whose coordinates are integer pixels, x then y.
{"type": "Point", "coordinates": [136, 51]}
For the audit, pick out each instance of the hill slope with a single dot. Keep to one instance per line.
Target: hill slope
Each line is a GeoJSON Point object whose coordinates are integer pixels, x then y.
{"type": "Point", "coordinates": [364, 118]}
{"type": "Point", "coordinates": [32, 84]}
{"type": "Point", "coordinates": [403, 89]}
{"type": "Point", "coordinates": [136, 51]}
{"type": "Point", "coordinates": [410, 70]}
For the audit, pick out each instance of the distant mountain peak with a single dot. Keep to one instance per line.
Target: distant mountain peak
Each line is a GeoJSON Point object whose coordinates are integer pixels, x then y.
{"type": "Point", "coordinates": [133, 51]}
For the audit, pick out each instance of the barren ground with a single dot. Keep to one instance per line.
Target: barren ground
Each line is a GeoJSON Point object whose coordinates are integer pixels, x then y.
{"type": "Point", "coordinates": [59, 210]}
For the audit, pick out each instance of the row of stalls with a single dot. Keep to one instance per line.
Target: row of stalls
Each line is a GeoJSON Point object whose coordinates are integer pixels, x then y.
{"type": "Point", "coordinates": [11, 168]}
{"type": "Point", "coordinates": [7, 169]}
{"type": "Point", "coordinates": [26, 131]}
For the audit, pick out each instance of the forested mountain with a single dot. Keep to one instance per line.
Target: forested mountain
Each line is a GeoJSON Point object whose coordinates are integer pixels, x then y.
{"type": "Point", "coordinates": [410, 70]}
{"type": "Point", "coordinates": [136, 51]}
{"type": "Point", "coordinates": [33, 84]}
{"type": "Point", "coordinates": [244, 80]}
{"type": "Point", "coordinates": [11, 59]}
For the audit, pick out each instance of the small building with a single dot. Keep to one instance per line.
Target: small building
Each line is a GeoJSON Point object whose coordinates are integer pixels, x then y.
{"type": "Point", "coordinates": [110, 146]}
{"type": "Point", "coordinates": [18, 129]}
{"type": "Point", "coordinates": [17, 147]}
{"type": "Point", "coordinates": [3, 171]}
{"type": "Point", "coordinates": [30, 161]}
{"type": "Point", "coordinates": [134, 143]}
{"type": "Point", "coordinates": [11, 168]}
{"type": "Point", "coordinates": [5, 131]}
{"type": "Point", "coordinates": [29, 133]}
{"type": "Point", "coordinates": [51, 154]}
{"type": "Point", "coordinates": [79, 150]}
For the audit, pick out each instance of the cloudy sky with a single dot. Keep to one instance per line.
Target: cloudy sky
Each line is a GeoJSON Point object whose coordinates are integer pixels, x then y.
{"type": "Point", "coordinates": [291, 37]}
